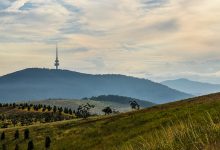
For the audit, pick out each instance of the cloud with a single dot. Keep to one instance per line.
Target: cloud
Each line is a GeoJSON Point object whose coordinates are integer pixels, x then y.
{"type": "Point", "coordinates": [158, 39]}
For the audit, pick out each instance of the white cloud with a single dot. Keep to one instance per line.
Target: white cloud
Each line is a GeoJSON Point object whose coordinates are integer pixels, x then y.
{"type": "Point", "coordinates": [145, 38]}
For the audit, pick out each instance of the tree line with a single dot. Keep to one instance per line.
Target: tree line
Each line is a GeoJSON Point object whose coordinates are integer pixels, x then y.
{"type": "Point", "coordinates": [26, 136]}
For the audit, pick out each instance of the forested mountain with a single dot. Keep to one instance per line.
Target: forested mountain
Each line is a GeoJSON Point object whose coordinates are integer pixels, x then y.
{"type": "Point", "coordinates": [36, 84]}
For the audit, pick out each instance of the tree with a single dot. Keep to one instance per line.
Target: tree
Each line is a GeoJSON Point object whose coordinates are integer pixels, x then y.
{"type": "Point", "coordinates": [14, 121]}
{"type": "Point", "coordinates": [70, 111]}
{"type": "Point", "coordinates": [26, 134]}
{"type": "Point", "coordinates": [3, 135]}
{"type": "Point", "coordinates": [83, 111]}
{"type": "Point", "coordinates": [47, 142]}
{"type": "Point", "coordinates": [107, 110]}
{"type": "Point", "coordinates": [4, 147]}
{"type": "Point", "coordinates": [16, 134]}
{"type": "Point", "coordinates": [54, 109]}
{"type": "Point", "coordinates": [134, 105]}
{"type": "Point", "coordinates": [29, 108]}
{"type": "Point", "coordinates": [30, 145]}
{"type": "Point", "coordinates": [16, 147]}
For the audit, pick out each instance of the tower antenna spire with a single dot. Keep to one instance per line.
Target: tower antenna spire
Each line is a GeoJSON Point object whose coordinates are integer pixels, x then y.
{"type": "Point", "coordinates": [57, 58]}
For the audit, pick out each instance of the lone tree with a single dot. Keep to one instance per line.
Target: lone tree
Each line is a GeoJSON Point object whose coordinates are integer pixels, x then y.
{"type": "Point", "coordinates": [107, 110]}
{"type": "Point", "coordinates": [47, 142]}
{"type": "Point", "coordinates": [30, 145]}
{"type": "Point", "coordinates": [16, 134]}
{"type": "Point", "coordinates": [83, 111]}
{"type": "Point", "coordinates": [3, 135]}
{"type": "Point", "coordinates": [134, 105]}
{"type": "Point", "coordinates": [26, 134]}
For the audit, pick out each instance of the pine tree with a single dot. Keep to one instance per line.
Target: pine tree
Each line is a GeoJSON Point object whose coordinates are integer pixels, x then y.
{"type": "Point", "coordinates": [16, 134]}
{"type": "Point", "coordinates": [3, 135]}
{"type": "Point", "coordinates": [30, 145]}
{"type": "Point", "coordinates": [26, 134]}
{"type": "Point", "coordinates": [16, 147]}
{"type": "Point", "coordinates": [4, 147]}
{"type": "Point", "coordinates": [47, 142]}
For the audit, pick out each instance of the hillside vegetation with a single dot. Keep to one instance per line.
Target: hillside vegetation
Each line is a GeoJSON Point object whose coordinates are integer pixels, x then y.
{"type": "Point", "coordinates": [184, 125]}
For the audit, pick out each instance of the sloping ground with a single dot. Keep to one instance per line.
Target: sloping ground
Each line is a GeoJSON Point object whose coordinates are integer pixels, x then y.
{"type": "Point", "coordinates": [190, 124]}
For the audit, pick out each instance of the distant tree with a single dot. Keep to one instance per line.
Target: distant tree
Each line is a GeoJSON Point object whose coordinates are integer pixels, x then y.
{"type": "Point", "coordinates": [16, 147]}
{"type": "Point", "coordinates": [66, 111]}
{"type": "Point", "coordinates": [14, 121]}
{"type": "Point", "coordinates": [107, 110]}
{"type": "Point", "coordinates": [26, 134]}
{"type": "Point", "coordinates": [134, 105]}
{"type": "Point", "coordinates": [30, 145]}
{"type": "Point", "coordinates": [70, 111]}
{"type": "Point", "coordinates": [16, 134]}
{"type": "Point", "coordinates": [49, 108]}
{"type": "Point", "coordinates": [3, 135]}
{"type": "Point", "coordinates": [60, 110]}
{"type": "Point", "coordinates": [47, 142]}
{"type": "Point", "coordinates": [29, 108]}
{"type": "Point", "coordinates": [83, 111]}
{"type": "Point", "coordinates": [14, 105]}
{"type": "Point", "coordinates": [54, 109]}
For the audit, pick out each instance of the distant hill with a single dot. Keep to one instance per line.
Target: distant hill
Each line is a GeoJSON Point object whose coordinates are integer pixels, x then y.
{"type": "Point", "coordinates": [117, 103]}
{"type": "Point", "coordinates": [120, 100]}
{"type": "Point", "coordinates": [192, 87]}
{"type": "Point", "coordinates": [37, 84]}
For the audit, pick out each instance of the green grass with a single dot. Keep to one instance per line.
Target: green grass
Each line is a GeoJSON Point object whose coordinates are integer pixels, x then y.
{"type": "Point", "coordinates": [190, 124]}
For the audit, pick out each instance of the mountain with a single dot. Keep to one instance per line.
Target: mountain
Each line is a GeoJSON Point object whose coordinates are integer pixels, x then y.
{"type": "Point", "coordinates": [192, 87]}
{"type": "Point", "coordinates": [36, 84]}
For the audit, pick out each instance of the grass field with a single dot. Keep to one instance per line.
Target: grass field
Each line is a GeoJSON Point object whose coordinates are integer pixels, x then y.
{"type": "Point", "coordinates": [184, 125]}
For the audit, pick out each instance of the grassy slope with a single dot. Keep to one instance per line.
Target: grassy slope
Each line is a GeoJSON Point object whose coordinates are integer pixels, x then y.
{"type": "Point", "coordinates": [180, 125]}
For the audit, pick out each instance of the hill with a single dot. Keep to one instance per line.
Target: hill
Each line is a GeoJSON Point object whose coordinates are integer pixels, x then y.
{"type": "Point", "coordinates": [192, 87]}
{"type": "Point", "coordinates": [37, 84]}
{"type": "Point", "coordinates": [117, 103]}
{"type": "Point", "coordinates": [188, 124]}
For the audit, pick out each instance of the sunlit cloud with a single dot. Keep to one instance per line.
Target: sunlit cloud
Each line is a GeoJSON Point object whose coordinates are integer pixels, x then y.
{"type": "Point", "coordinates": [156, 39]}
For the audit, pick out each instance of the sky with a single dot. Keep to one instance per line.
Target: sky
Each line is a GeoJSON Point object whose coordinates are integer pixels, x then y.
{"type": "Point", "coordinates": [153, 39]}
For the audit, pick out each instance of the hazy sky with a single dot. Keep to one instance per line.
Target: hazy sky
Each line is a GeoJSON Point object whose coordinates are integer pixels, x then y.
{"type": "Point", "coordinates": [154, 39]}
